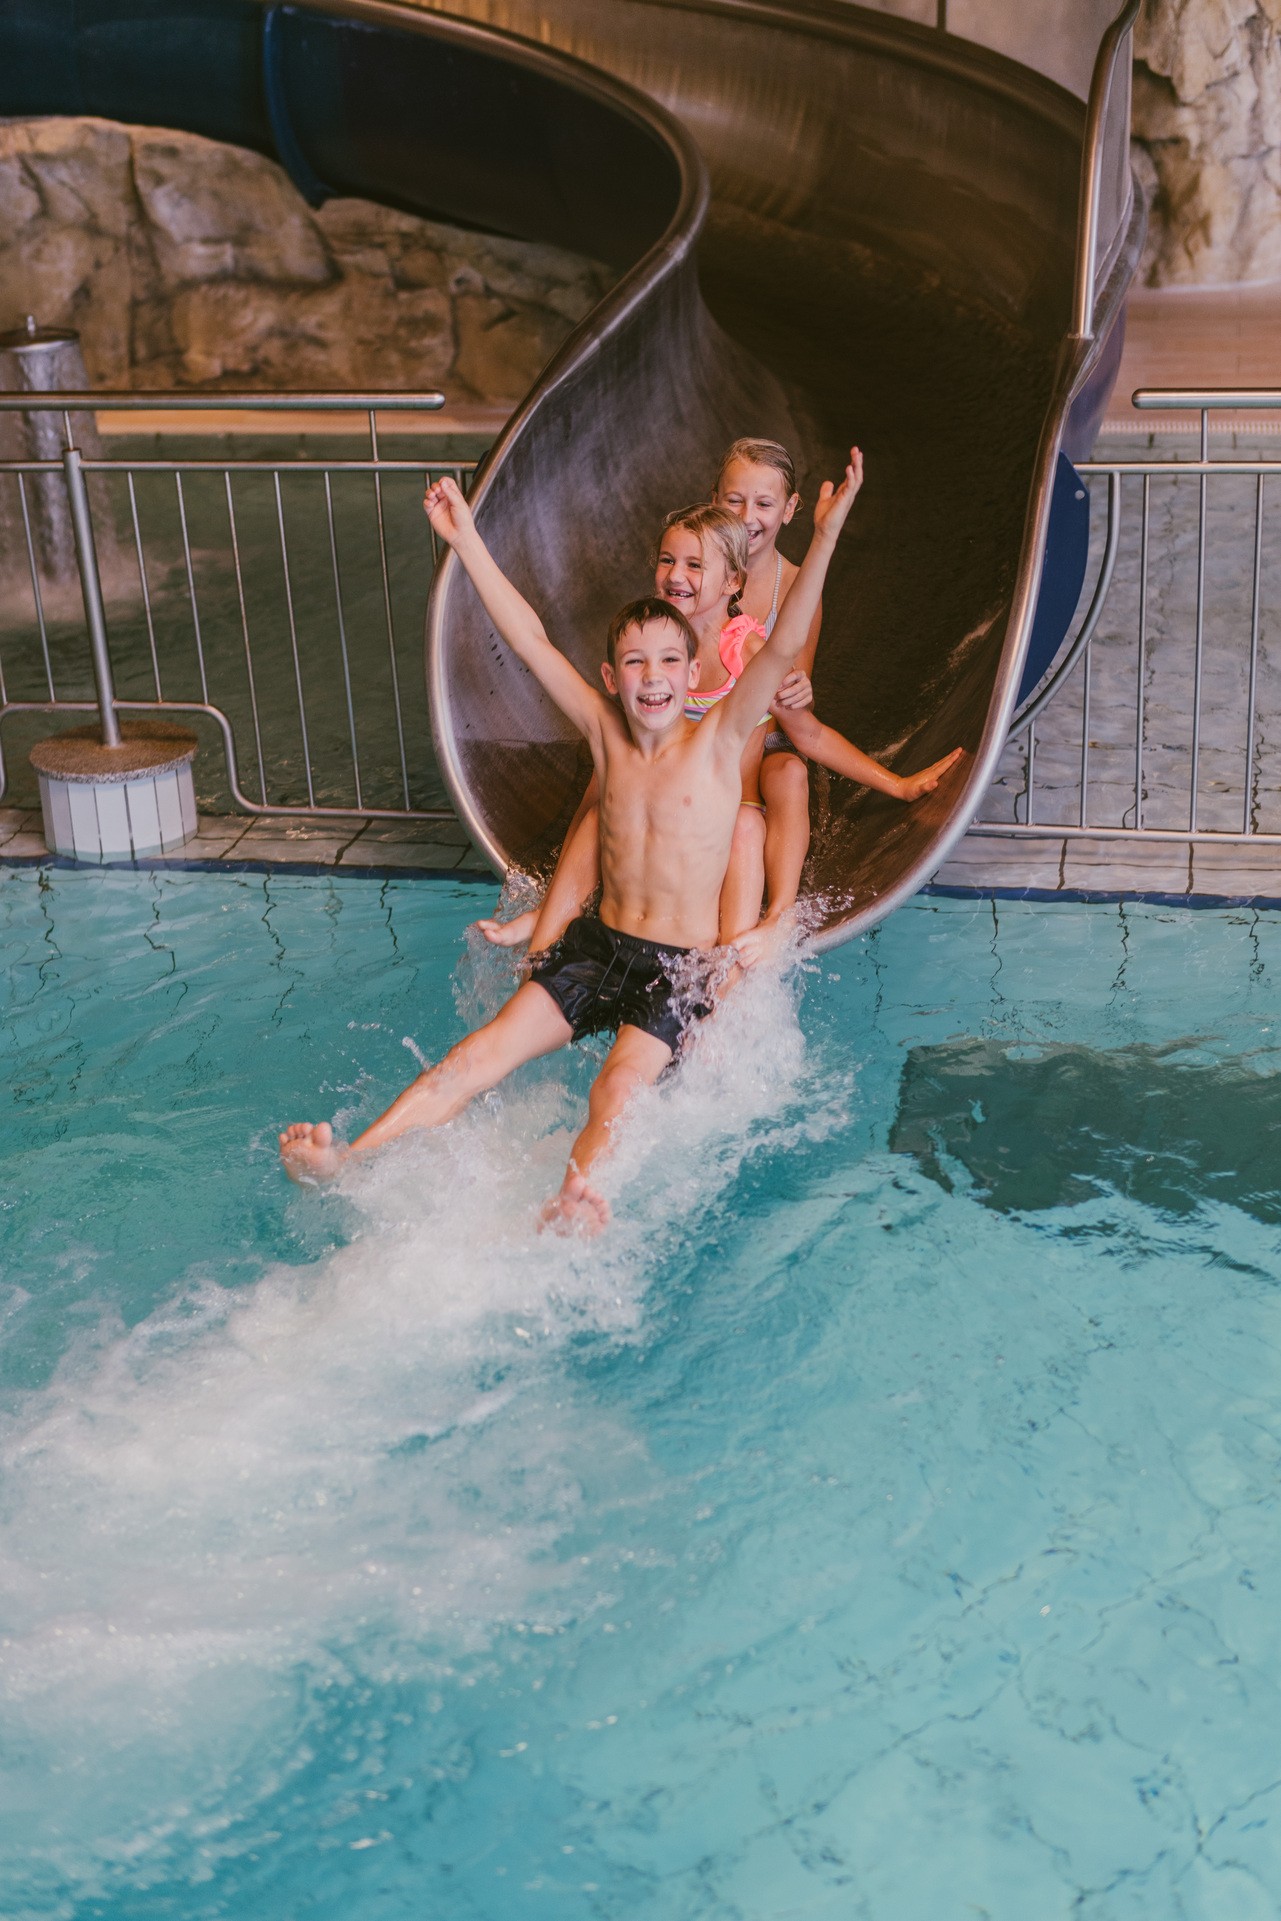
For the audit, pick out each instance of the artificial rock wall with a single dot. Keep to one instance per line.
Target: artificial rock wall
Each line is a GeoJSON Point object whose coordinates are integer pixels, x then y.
{"type": "Point", "coordinates": [1207, 121]}
{"type": "Point", "coordinates": [183, 262]}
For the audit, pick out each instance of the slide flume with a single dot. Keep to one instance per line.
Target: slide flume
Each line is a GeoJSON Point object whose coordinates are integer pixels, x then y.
{"type": "Point", "coordinates": [829, 224]}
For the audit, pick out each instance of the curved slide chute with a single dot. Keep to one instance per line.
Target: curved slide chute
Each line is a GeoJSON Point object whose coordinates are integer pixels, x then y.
{"type": "Point", "coordinates": [829, 224]}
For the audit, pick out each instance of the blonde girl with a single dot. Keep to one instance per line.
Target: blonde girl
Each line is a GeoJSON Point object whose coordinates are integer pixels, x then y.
{"type": "Point", "coordinates": [756, 482]}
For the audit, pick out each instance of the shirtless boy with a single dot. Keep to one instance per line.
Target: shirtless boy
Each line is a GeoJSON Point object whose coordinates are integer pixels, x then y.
{"type": "Point", "coordinates": [669, 798]}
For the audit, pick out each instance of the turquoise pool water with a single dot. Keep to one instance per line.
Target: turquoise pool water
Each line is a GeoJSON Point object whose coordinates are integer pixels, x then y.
{"type": "Point", "coordinates": [882, 1523]}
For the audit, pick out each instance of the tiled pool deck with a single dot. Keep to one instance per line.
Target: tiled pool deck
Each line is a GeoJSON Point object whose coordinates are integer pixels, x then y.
{"type": "Point", "coordinates": [377, 846]}
{"type": "Point", "coordinates": [982, 864]}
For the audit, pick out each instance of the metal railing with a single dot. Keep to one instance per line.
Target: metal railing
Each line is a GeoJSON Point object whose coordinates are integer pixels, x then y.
{"type": "Point", "coordinates": [1160, 721]}
{"type": "Point", "coordinates": [278, 598]}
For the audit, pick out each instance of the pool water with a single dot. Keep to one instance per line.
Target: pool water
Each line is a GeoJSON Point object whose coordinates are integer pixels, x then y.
{"type": "Point", "coordinates": [882, 1521]}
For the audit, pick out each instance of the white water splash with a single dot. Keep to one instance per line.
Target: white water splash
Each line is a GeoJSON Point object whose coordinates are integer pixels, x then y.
{"type": "Point", "coordinates": [358, 1467]}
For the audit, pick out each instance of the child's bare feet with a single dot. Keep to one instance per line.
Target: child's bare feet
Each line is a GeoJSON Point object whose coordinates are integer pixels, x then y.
{"type": "Point", "coordinates": [509, 933]}
{"type": "Point", "coordinates": [309, 1152]}
{"type": "Point", "coordinates": [578, 1206]}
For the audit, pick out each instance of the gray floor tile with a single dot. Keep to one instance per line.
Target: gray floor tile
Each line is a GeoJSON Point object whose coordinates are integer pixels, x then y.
{"type": "Point", "coordinates": [405, 854]}
{"type": "Point", "coordinates": [309, 852]}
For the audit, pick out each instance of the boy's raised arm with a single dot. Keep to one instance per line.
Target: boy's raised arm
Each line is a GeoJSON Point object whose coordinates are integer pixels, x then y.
{"type": "Point", "coordinates": [740, 711]}
{"type": "Point", "coordinates": [511, 613]}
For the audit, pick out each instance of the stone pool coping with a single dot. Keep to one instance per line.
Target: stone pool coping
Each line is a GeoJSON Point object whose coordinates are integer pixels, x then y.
{"type": "Point", "coordinates": [1068, 870]}
{"type": "Point", "coordinates": [246, 843]}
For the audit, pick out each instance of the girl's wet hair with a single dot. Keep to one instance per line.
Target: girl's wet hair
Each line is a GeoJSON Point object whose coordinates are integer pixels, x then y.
{"type": "Point", "coordinates": [639, 613]}
{"type": "Point", "coordinates": [760, 453]}
{"type": "Point", "coordinates": [726, 532]}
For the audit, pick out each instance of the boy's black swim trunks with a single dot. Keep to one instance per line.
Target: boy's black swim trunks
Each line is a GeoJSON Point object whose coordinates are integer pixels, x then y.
{"type": "Point", "coordinates": [601, 979]}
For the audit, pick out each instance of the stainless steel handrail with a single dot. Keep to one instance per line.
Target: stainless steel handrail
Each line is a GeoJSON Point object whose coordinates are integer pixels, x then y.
{"type": "Point", "coordinates": [1087, 241]}
{"type": "Point", "coordinates": [1207, 399]}
{"type": "Point", "coordinates": [193, 400]}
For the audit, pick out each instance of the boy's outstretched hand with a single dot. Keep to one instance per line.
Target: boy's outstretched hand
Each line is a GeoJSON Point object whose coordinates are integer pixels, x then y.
{"type": "Point", "coordinates": [831, 509]}
{"type": "Point", "coordinates": [448, 512]}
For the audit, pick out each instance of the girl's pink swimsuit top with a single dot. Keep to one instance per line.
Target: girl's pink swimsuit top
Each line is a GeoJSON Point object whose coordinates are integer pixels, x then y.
{"type": "Point", "coordinates": [734, 636]}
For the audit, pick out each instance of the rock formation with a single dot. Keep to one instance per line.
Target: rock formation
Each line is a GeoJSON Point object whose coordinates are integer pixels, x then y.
{"type": "Point", "coordinates": [1207, 114]}
{"type": "Point", "coordinates": [184, 262]}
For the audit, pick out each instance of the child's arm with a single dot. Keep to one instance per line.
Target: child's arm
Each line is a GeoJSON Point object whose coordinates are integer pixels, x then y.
{"type": "Point", "coordinates": [510, 612]}
{"type": "Point", "coordinates": [823, 744]}
{"type": "Point", "coordinates": [805, 659]}
{"type": "Point", "coordinates": [741, 709]}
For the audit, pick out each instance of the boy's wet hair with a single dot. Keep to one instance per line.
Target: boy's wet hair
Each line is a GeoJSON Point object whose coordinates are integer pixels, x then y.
{"type": "Point", "coordinates": [639, 613]}
{"type": "Point", "coordinates": [725, 531]}
{"type": "Point", "coordinates": [760, 453]}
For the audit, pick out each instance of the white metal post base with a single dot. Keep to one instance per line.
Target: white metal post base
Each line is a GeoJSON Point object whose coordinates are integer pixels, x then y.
{"type": "Point", "coordinates": [117, 803]}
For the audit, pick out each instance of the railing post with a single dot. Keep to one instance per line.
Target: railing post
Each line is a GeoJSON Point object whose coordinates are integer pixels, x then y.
{"type": "Point", "coordinates": [91, 590]}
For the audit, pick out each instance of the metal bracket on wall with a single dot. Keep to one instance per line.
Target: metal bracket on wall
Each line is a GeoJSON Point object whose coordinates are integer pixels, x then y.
{"type": "Point", "coordinates": [288, 151]}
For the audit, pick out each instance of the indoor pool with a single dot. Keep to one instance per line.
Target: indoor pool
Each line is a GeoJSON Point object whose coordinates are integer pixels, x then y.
{"type": "Point", "coordinates": [881, 1522]}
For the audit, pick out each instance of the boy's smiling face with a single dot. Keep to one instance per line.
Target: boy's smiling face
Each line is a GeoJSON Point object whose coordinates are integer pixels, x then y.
{"type": "Point", "coordinates": [651, 675]}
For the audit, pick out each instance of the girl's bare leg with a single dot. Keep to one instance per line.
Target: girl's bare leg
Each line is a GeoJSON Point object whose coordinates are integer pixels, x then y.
{"type": "Point", "coordinates": [575, 880]}
{"type": "Point", "coordinates": [743, 889]}
{"type": "Point", "coordinates": [530, 1025]}
{"type": "Point", "coordinates": [785, 789]}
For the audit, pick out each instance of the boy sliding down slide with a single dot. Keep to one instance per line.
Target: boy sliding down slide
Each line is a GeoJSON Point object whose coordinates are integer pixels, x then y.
{"type": "Point", "coordinates": [669, 798]}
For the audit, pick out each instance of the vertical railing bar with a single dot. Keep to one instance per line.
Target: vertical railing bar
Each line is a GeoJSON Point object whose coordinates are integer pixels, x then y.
{"type": "Point", "coordinates": [191, 586]}
{"type": "Point", "coordinates": [429, 479]}
{"type": "Point", "coordinates": [1031, 771]}
{"type": "Point", "coordinates": [342, 637]}
{"type": "Point", "coordinates": [244, 629]}
{"type": "Point", "coordinates": [1085, 734]}
{"type": "Point", "coordinates": [35, 584]}
{"type": "Point", "coordinates": [293, 639]}
{"type": "Point", "coordinates": [391, 635]}
{"type": "Point", "coordinates": [1199, 648]}
{"type": "Point", "coordinates": [142, 581]}
{"type": "Point", "coordinates": [1140, 693]}
{"type": "Point", "coordinates": [1246, 805]}
{"type": "Point", "coordinates": [91, 594]}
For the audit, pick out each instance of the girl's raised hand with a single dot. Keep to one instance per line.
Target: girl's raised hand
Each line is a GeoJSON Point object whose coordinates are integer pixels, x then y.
{"type": "Point", "coordinates": [831, 510]}
{"type": "Point", "coordinates": [448, 512]}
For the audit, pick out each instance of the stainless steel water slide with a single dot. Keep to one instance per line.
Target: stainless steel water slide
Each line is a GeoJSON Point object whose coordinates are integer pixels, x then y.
{"type": "Point", "coordinates": [902, 237]}
{"type": "Point", "coordinates": [830, 225]}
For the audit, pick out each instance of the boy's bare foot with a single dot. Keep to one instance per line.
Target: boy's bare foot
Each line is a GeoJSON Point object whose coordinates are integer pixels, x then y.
{"type": "Point", "coordinates": [509, 933]}
{"type": "Point", "coordinates": [309, 1152]}
{"type": "Point", "coordinates": [578, 1206]}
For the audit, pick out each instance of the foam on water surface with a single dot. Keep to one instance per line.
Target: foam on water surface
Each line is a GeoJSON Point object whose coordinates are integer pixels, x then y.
{"type": "Point", "coordinates": [856, 1529]}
